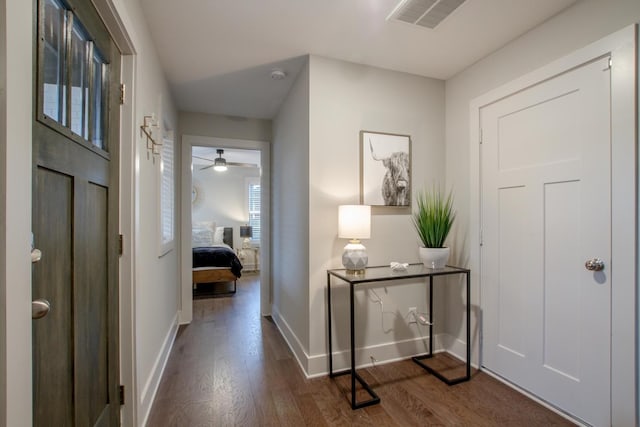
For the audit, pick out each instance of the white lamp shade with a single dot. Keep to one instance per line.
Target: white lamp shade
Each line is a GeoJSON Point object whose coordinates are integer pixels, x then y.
{"type": "Point", "coordinates": [354, 222]}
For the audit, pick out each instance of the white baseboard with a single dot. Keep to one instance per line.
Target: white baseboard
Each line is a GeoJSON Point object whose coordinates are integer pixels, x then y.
{"type": "Point", "coordinates": [153, 382]}
{"type": "Point", "coordinates": [457, 348]}
{"type": "Point", "coordinates": [378, 354]}
{"type": "Point", "coordinates": [291, 339]}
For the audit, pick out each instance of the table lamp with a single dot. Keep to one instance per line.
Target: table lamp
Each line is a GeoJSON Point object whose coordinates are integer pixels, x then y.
{"type": "Point", "coordinates": [246, 231]}
{"type": "Point", "coordinates": [354, 223]}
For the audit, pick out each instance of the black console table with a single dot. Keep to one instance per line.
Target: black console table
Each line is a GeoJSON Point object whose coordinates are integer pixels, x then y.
{"type": "Point", "coordinates": [385, 274]}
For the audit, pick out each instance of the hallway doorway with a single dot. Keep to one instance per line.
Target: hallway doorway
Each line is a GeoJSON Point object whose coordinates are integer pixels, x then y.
{"type": "Point", "coordinates": [236, 200]}
{"type": "Point", "coordinates": [225, 214]}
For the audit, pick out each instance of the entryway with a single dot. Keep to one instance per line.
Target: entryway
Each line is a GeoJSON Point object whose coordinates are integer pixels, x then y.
{"type": "Point", "coordinates": [75, 218]}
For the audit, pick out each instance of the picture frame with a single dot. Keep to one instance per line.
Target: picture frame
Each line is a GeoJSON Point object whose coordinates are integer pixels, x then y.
{"type": "Point", "coordinates": [385, 169]}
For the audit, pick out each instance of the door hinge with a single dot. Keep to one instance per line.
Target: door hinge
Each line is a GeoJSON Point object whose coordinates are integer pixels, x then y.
{"type": "Point", "coordinates": [123, 93]}
{"type": "Point", "coordinates": [121, 395]}
{"type": "Point", "coordinates": [480, 135]}
{"type": "Point", "coordinates": [120, 244]}
{"type": "Point", "coordinates": [481, 237]}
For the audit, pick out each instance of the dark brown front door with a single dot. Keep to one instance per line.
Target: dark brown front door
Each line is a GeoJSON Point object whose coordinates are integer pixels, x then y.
{"type": "Point", "coordinates": [75, 217]}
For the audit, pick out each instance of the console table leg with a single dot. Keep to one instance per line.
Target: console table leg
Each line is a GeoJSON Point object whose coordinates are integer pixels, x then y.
{"type": "Point", "coordinates": [352, 370]}
{"type": "Point", "coordinates": [419, 359]}
{"type": "Point", "coordinates": [329, 324]}
{"type": "Point", "coordinates": [353, 349]}
{"type": "Point", "coordinates": [468, 326]}
{"type": "Point", "coordinates": [430, 315]}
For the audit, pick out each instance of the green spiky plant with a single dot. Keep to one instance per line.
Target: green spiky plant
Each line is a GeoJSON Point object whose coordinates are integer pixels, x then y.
{"type": "Point", "coordinates": [434, 217]}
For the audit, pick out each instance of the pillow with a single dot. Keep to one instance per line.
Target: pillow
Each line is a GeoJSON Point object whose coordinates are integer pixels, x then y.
{"type": "Point", "coordinates": [210, 225]}
{"type": "Point", "coordinates": [202, 233]}
{"type": "Point", "coordinates": [201, 237]}
{"type": "Point", "coordinates": [218, 237]}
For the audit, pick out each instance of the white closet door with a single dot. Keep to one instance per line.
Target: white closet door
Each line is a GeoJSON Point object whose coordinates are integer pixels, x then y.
{"type": "Point", "coordinates": [546, 210]}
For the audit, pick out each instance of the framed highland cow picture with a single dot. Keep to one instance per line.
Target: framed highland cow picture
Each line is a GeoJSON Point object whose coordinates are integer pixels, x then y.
{"type": "Point", "coordinates": [385, 169]}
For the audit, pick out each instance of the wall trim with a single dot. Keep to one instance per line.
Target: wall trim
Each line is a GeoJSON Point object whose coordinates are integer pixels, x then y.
{"type": "Point", "coordinates": [121, 29]}
{"type": "Point", "coordinates": [16, 100]}
{"type": "Point", "coordinates": [318, 365]}
{"type": "Point", "coordinates": [291, 339]}
{"type": "Point", "coordinates": [118, 28]}
{"type": "Point", "coordinates": [153, 382]}
{"type": "Point", "coordinates": [128, 211]}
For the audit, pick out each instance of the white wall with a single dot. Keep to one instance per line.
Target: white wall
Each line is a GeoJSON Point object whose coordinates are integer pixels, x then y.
{"type": "Point", "coordinates": [222, 197]}
{"type": "Point", "coordinates": [346, 98]}
{"type": "Point", "coordinates": [224, 126]}
{"type": "Point", "coordinates": [290, 216]}
{"type": "Point", "coordinates": [576, 27]}
{"type": "Point", "coordinates": [316, 168]}
{"type": "Point", "coordinates": [16, 17]}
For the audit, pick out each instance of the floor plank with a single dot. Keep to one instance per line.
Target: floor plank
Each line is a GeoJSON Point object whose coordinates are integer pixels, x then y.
{"type": "Point", "coordinates": [231, 366]}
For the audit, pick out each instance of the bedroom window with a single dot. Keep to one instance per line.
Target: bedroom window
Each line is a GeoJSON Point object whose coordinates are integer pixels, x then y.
{"type": "Point", "coordinates": [167, 197]}
{"type": "Point", "coordinates": [253, 203]}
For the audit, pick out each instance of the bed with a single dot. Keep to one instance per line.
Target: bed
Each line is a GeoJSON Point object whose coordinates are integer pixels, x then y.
{"type": "Point", "coordinates": [214, 260]}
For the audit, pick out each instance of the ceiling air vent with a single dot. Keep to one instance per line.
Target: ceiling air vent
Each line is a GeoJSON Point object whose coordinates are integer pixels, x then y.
{"type": "Point", "coordinates": [426, 13]}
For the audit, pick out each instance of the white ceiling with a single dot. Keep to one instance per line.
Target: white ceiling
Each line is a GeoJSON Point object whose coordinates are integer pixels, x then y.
{"type": "Point", "coordinates": [218, 54]}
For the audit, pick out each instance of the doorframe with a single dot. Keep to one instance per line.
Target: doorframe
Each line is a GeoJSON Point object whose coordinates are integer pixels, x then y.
{"type": "Point", "coordinates": [621, 45]}
{"type": "Point", "coordinates": [120, 29]}
{"type": "Point", "coordinates": [129, 188]}
{"type": "Point", "coordinates": [16, 115]}
{"type": "Point", "coordinates": [187, 143]}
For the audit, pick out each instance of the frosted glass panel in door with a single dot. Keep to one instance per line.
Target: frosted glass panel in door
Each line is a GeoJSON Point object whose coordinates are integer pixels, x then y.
{"type": "Point", "coordinates": [54, 70]}
{"type": "Point", "coordinates": [99, 70]}
{"type": "Point", "coordinates": [79, 82]}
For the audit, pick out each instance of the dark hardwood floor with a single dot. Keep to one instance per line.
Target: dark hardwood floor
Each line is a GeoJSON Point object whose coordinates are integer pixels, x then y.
{"type": "Point", "coordinates": [231, 366]}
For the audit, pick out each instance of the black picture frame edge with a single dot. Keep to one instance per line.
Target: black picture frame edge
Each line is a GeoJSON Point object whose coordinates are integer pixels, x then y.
{"type": "Point", "coordinates": [383, 209]}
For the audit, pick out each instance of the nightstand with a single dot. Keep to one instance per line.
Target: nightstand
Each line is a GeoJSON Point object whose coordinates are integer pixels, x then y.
{"type": "Point", "coordinates": [249, 258]}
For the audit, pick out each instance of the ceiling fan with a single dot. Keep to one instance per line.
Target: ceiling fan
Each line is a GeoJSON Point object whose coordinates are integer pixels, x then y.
{"type": "Point", "coordinates": [220, 163]}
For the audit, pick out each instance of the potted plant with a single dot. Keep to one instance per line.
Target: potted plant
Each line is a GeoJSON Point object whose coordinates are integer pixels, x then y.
{"type": "Point", "coordinates": [433, 220]}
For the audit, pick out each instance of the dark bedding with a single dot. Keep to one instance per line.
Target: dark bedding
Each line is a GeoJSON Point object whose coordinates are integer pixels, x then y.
{"type": "Point", "coordinates": [217, 256]}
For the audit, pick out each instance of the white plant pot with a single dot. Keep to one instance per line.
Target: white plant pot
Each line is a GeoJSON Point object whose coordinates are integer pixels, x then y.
{"type": "Point", "coordinates": [434, 257]}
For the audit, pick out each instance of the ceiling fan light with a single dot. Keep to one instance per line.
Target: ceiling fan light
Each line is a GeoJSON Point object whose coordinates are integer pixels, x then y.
{"type": "Point", "coordinates": [220, 164]}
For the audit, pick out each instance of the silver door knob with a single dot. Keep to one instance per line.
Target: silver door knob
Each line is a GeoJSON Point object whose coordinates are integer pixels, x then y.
{"type": "Point", "coordinates": [40, 308]}
{"type": "Point", "coordinates": [36, 255]}
{"type": "Point", "coordinates": [595, 264]}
